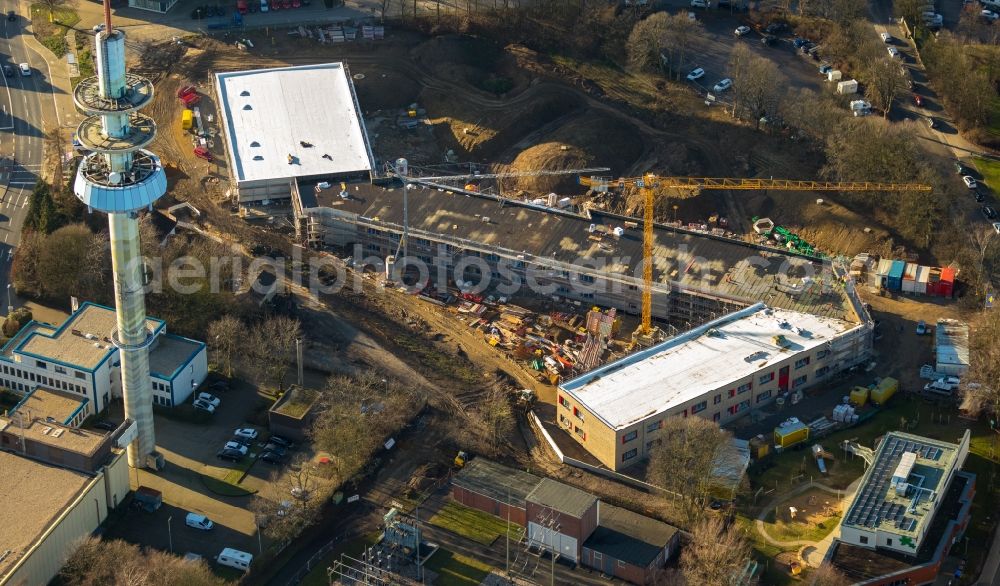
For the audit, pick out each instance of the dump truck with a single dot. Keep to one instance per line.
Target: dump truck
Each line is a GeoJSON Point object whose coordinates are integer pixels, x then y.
{"type": "Point", "coordinates": [886, 388]}
{"type": "Point", "coordinates": [790, 432]}
{"type": "Point", "coordinates": [148, 499]}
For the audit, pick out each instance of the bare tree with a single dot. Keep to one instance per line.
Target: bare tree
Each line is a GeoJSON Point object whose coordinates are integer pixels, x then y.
{"type": "Point", "coordinates": [684, 459]}
{"type": "Point", "coordinates": [717, 554]}
{"type": "Point", "coordinates": [666, 40]}
{"type": "Point", "coordinates": [272, 345]}
{"type": "Point", "coordinates": [681, 40]}
{"type": "Point", "coordinates": [886, 81]}
{"type": "Point", "coordinates": [757, 85]}
{"type": "Point", "coordinates": [981, 389]}
{"type": "Point", "coordinates": [646, 40]}
{"type": "Point", "coordinates": [827, 575]}
{"type": "Point", "coordinates": [909, 10]}
{"type": "Point", "coordinates": [94, 562]}
{"type": "Point", "coordinates": [983, 240]}
{"type": "Point", "coordinates": [52, 5]}
{"type": "Point", "coordinates": [497, 418]}
{"type": "Point", "coordinates": [227, 335]}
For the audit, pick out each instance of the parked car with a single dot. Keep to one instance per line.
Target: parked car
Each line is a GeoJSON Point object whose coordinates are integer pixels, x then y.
{"type": "Point", "coordinates": [798, 42]}
{"type": "Point", "coordinates": [886, 37]}
{"type": "Point", "coordinates": [281, 441]}
{"type": "Point", "coordinates": [204, 406]}
{"type": "Point", "coordinates": [996, 227]}
{"type": "Point", "coordinates": [272, 457]}
{"type": "Point", "coordinates": [105, 425]}
{"type": "Point", "coordinates": [198, 521]}
{"type": "Point", "coordinates": [230, 455]}
{"type": "Point", "coordinates": [894, 53]}
{"type": "Point", "coordinates": [969, 181]}
{"type": "Point", "coordinates": [825, 68]}
{"type": "Point", "coordinates": [218, 385]}
{"type": "Point", "coordinates": [247, 432]}
{"type": "Point", "coordinates": [775, 28]}
{"type": "Point", "coordinates": [210, 399]}
{"type": "Point", "coordinates": [989, 212]}
{"type": "Point", "coordinates": [722, 85]}
{"type": "Point", "coordinates": [275, 449]}
{"type": "Point", "coordinates": [921, 328]}
{"type": "Point", "coordinates": [960, 168]}
{"type": "Point", "coordinates": [979, 195]}
{"type": "Point", "coordinates": [25, 69]}
{"type": "Point", "coordinates": [931, 122]}
{"type": "Point", "coordinates": [696, 73]}
{"type": "Point", "coordinates": [742, 30]}
{"type": "Point", "coordinates": [699, 4]}
{"type": "Point", "coordinates": [8, 71]}
{"type": "Point", "coordinates": [236, 446]}
{"type": "Point", "coordinates": [768, 40]}
{"type": "Point", "coordinates": [918, 100]}
{"type": "Point", "coordinates": [989, 15]}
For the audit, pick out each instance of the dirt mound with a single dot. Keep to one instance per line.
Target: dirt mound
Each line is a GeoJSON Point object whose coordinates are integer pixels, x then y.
{"type": "Point", "coordinates": [477, 62]}
{"type": "Point", "coordinates": [379, 89]}
{"type": "Point", "coordinates": [584, 141]}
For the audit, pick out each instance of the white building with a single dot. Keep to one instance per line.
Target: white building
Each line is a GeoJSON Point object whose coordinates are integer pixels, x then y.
{"type": "Point", "coordinates": [79, 357]}
{"type": "Point", "coordinates": [901, 491]}
{"type": "Point", "coordinates": [291, 124]}
{"type": "Point", "coordinates": [951, 347]}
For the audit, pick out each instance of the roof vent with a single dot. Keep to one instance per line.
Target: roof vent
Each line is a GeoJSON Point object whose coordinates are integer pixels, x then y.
{"type": "Point", "coordinates": [258, 158]}
{"type": "Point", "coordinates": [248, 107]}
{"type": "Point", "coordinates": [245, 93]}
{"type": "Point", "coordinates": [58, 432]}
{"type": "Point", "coordinates": [255, 144]}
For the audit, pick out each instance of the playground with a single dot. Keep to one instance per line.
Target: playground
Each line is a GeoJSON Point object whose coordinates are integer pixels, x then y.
{"type": "Point", "coordinates": [805, 517]}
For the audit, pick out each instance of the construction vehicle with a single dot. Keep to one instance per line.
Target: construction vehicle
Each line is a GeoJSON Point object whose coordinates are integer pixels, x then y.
{"type": "Point", "coordinates": [649, 184]}
{"type": "Point", "coordinates": [460, 459]}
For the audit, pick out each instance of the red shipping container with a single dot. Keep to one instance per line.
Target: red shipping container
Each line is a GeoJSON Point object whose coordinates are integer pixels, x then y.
{"type": "Point", "coordinates": [946, 286]}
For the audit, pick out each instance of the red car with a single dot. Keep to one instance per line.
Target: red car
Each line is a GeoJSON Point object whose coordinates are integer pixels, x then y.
{"type": "Point", "coordinates": [191, 99]}
{"type": "Point", "coordinates": [186, 90]}
{"type": "Point", "coordinates": [918, 100]}
{"type": "Point", "coordinates": [241, 5]}
{"type": "Point", "coordinates": [202, 153]}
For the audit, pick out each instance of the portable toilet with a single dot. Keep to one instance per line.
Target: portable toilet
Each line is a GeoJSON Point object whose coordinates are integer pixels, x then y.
{"type": "Point", "coordinates": [894, 282]}
{"type": "Point", "coordinates": [187, 119]}
{"type": "Point", "coordinates": [947, 285]}
{"type": "Point", "coordinates": [923, 273]}
{"type": "Point", "coordinates": [847, 87]}
{"type": "Point", "coordinates": [910, 277]}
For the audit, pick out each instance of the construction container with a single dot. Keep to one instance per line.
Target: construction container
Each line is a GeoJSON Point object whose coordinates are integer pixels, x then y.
{"type": "Point", "coordinates": [910, 278]}
{"type": "Point", "coordinates": [881, 273]}
{"type": "Point", "coordinates": [923, 274]}
{"type": "Point", "coordinates": [946, 288]}
{"type": "Point", "coordinates": [933, 280]}
{"type": "Point", "coordinates": [859, 396]}
{"type": "Point", "coordinates": [894, 281]}
{"type": "Point", "coordinates": [187, 119]}
{"type": "Point", "coordinates": [886, 388]}
{"type": "Point", "coordinates": [847, 87]}
{"type": "Point", "coordinates": [834, 75]}
{"type": "Point", "coordinates": [759, 447]}
{"type": "Point", "coordinates": [790, 432]}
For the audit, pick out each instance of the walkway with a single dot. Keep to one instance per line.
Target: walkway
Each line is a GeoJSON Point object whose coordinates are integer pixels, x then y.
{"type": "Point", "coordinates": [814, 556]}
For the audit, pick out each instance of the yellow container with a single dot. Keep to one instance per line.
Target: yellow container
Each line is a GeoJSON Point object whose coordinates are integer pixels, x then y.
{"type": "Point", "coordinates": [187, 119]}
{"type": "Point", "coordinates": [859, 396]}
{"type": "Point", "coordinates": [886, 388]}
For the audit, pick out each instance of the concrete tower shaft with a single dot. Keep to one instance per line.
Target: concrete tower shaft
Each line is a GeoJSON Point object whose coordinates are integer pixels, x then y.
{"type": "Point", "coordinates": [121, 178]}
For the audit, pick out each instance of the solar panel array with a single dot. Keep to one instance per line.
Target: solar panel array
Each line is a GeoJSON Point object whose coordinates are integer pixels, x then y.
{"type": "Point", "coordinates": [870, 508]}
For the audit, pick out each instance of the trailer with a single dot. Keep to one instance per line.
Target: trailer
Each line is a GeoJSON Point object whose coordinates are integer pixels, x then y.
{"type": "Point", "coordinates": [790, 432]}
{"type": "Point", "coordinates": [148, 499]}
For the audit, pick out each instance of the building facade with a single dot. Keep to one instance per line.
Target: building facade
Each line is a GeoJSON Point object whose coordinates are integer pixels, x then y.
{"type": "Point", "coordinates": [79, 357]}
{"type": "Point", "coordinates": [721, 370]}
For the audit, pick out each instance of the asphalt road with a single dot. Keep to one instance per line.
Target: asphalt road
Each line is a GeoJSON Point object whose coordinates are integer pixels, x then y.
{"type": "Point", "coordinates": [27, 107]}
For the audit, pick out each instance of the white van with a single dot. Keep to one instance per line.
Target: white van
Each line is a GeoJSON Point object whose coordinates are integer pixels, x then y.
{"type": "Point", "coordinates": [198, 521]}
{"type": "Point", "coordinates": [235, 558]}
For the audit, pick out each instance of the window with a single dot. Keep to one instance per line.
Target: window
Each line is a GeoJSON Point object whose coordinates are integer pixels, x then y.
{"type": "Point", "coordinates": [699, 407]}
{"type": "Point", "coordinates": [579, 431]}
{"type": "Point", "coordinates": [764, 396]}
{"type": "Point", "coordinates": [717, 416]}
{"type": "Point", "coordinates": [586, 279]}
{"type": "Point", "coordinates": [744, 388]}
{"type": "Point", "coordinates": [630, 436]}
{"type": "Point", "coordinates": [742, 406]}
{"type": "Point", "coordinates": [799, 381]}
{"type": "Point", "coordinates": [822, 354]}
{"type": "Point", "coordinates": [41, 364]}
{"type": "Point", "coordinates": [651, 427]}
{"type": "Point", "coordinates": [563, 401]}
{"type": "Point", "coordinates": [31, 376]}
{"type": "Point", "coordinates": [630, 454]}
{"type": "Point", "coordinates": [801, 362]}
{"type": "Point", "coordinates": [863, 539]}
{"type": "Point", "coordinates": [59, 369]}
{"type": "Point", "coordinates": [578, 413]}
{"type": "Point", "coordinates": [764, 379]}
{"type": "Point", "coordinates": [822, 371]}
{"type": "Point", "coordinates": [717, 399]}
{"type": "Point", "coordinates": [5, 369]}
{"type": "Point", "coordinates": [888, 542]}
{"type": "Point", "coordinates": [79, 375]}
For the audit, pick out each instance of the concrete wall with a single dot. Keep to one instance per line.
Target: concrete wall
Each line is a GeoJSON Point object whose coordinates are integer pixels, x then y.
{"type": "Point", "coordinates": [84, 514]}
{"type": "Point", "coordinates": [573, 531]}
{"type": "Point", "coordinates": [190, 377]}
{"type": "Point", "coordinates": [489, 505]}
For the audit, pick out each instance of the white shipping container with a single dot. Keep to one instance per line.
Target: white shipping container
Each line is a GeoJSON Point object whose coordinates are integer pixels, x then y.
{"type": "Point", "coordinates": [835, 75]}
{"type": "Point", "coordinates": [848, 87]}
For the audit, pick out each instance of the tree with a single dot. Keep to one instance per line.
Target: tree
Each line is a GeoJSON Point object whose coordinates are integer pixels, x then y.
{"type": "Point", "coordinates": [227, 335]}
{"type": "Point", "coordinates": [290, 502]}
{"type": "Point", "coordinates": [717, 553]}
{"type": "Point", "coordinates": [827, 575]}
{"type": "Point", "coordinates": [66, 264]}
{"type": "Point", "coordinates": [684, 459]}
{"type": "Point", "coordinates": [53, 5]}
{"type": "Point", "coordinates": [845, 12]}
{"type": "Point", "coordinates": [672, 36]}
{"type": "Point", "coordinates": [909, 10]}
{"type": "Point", "coordinates": [682, 39]}
{"type": "Point", "coordinates": [95, 562]}
{"type": "Point", "coordinates": [272, 348]}
{"type": "Point", "coordinates": [757, 85]}
{"type": "Point", "coordinates": [497, 418]}
{"type": "Point", "coordinates": [646, 40]}
{"type": "Point", "coordinates": [42, 214]}
{"type": "Point", "coordinates": [886, 81]}
{"type": "Point", "coordinates": [981, 389]}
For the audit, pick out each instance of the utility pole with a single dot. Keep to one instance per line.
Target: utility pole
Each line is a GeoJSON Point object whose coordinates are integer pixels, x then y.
{"type": "Point", "coordinates": [507, 541]}
{"type": "Point", "coordinates": [298, 358]}
{"type": "Point", "coordinates": [170, 533]}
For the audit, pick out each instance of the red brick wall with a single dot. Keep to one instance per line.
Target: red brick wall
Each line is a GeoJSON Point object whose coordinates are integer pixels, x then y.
{"type": "Point", "coordinates": [488, 505]}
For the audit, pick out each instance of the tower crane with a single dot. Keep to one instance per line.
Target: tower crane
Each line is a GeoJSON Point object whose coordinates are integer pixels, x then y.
{"type": "Point", "coordinates": [649, 182]}
{"type": "Point", "coordinates": [401, 170]}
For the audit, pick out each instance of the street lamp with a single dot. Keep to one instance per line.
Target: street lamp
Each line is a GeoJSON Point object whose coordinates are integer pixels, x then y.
{"type": "Point", "coordinates": [385, 382]}
{"type": "Point", "coordinates": [10, 306]}
{"type": "Point", "coordinates": [170, 533]}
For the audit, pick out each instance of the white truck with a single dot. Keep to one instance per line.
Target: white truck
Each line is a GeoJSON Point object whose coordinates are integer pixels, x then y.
{"type": "Point", "coordinates": [861, 107]}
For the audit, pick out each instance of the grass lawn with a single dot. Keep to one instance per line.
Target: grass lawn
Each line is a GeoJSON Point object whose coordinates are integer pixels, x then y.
{"type": "Point", "coordinates": [989, 168]}
{"type": "Point", "coordinates": [53, 34]}
{"type": "Point", "coordinates": [472, 524]}
{"type": "Point", "coordinates": [794, 531]}
{"type": "Point", "coordinates": [353, 547]}
{"type": "Point", "coordinates": [223, 488]}
{"type": "Point", "coordinates": [456, 570]}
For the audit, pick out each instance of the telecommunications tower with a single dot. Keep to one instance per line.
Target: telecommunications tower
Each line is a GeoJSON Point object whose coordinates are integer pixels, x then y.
{"type": "Point", "coordinates": [121, 178]}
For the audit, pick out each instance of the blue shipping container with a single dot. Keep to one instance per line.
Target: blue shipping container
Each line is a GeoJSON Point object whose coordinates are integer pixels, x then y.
{"type": "Point", "coordinates": [895, 280]}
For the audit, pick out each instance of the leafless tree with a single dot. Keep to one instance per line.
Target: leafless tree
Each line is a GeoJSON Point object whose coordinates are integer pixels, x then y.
{"type": "Point", "coordinates": [95, 562]}
{"type": "Point", "coordinates": [815, 114]}
{"type": "Point", "coordinates": [684, 459]}
{"type": "Point", "coordinates": [497, 418]}
{"type": "Point", "coordinates": [984, 240]}
{"type": "Point", "coordinates": [981, 389]}
{"type": "Point", "coordinates": [52, 5]}
{"type": "Point", "coordinates": [646, 40]}
{"type": "Point", "coordinates": [671, 36]}
{"type": "Point", "coordinates": [682, 39]}
{"type": "Point", "coordinates": [827, 575]}
{"type": "Point", "coordinates": [717, 553]}
{"type": "Point", "coordinates": [272, 348]}
{"type": "Point", "coordinates": [909, 10]}
{"type": "Point", "coordinates": [227, 335]}
{"type": "Point", "coordinates": [758, 85]}
{"type": "Point", "coordinates": [886, 81]}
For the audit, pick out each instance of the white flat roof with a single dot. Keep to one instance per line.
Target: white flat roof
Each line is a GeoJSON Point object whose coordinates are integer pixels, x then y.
{"type": "Point", "coordinates": [704, 359]}
{"type": "Point", "coordinates": [268, 113]}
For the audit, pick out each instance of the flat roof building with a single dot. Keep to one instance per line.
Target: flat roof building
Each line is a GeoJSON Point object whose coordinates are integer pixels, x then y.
{"type": "Point", "coordinates": [288, 124]}
{"type": "Point", "coordinates": [61, 407]}
{"type": "Point", "coordinates": [720, 370]}
{"type": "Point", "coordinates": [951, 347]}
